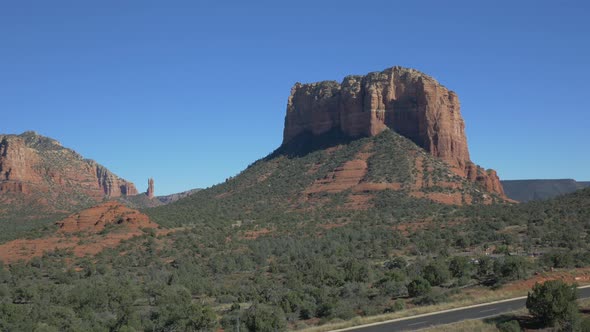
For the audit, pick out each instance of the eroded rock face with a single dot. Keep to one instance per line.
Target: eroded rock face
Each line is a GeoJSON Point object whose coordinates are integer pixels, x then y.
{"type": "Point", "coordinates": [96, 218]}
{"type": "Point", "coordinates": [411, 103]}
{"type": "Point", "coordinates": [486, 178]}
{"type": "Point", "coordinates": [111, 185]}
{"type": "Point", "coordinates": [33, 165]}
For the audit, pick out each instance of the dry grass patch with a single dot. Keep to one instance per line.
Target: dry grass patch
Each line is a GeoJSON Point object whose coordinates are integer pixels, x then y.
{"type": "Point", "coordinates": [468, 297]}
{"type": "Point", "coordinates": [464, 326]}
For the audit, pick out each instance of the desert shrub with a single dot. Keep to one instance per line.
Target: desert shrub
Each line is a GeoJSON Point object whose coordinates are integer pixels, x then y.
{"type": "Point", "coordinates": [553, 302]}
{"type": "Point", "coordinates": [419, 287]}
{"type": "Point", "coordinates": [264, 318]}
{"type": "Point", "coordinates": [509, 326]}
{"type": "Point", "coordinates": [436, 273]}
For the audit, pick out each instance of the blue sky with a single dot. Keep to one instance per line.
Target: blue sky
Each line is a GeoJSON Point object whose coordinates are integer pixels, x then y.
{"type": "Point", "coordinates": [191, 92]}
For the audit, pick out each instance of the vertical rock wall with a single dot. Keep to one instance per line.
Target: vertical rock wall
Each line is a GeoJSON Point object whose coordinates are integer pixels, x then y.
{"type": "Point", "coordinates": [405, 100]}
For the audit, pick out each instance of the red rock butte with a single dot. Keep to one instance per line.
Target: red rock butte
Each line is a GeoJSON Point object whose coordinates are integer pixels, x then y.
{"type": "Point", "coordinates": [405, 100]}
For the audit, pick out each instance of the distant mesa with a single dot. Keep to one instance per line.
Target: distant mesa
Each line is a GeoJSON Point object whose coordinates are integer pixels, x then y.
{"type": "Point", "coordinates": [405, 100]}
{"type": "Point", "coordinates": [541, 189]}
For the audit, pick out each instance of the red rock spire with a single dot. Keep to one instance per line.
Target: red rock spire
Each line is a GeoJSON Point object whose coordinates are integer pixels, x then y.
{"type": "Point", "coordinates": [150, 191]}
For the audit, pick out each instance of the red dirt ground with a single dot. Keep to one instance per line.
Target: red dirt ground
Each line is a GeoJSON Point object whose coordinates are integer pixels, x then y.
{"type": "Point", "coordinates": [253, 235]}
{"type": "Point", "coordinates": [81, 233]}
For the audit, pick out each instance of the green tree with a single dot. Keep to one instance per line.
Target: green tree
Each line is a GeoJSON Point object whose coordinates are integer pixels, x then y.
{"type": "Point", "coordinates": [264, 318]}
{"type": "Point", "coordinates": [460, 267]}
{"type": "Point", "coordinates": [175, 311]}
{"type": "Point", "coordinates": [485, 268]}
{"type": "Point", "coordinates": [554, 302]}
{"type": "Point", "coordinates": [436, 273]}
{"type": "Point", "coordinates": [355, 271]}
{"type": "Point", "coordinates": [44, 327]}
{"type": "Point", "coordinates": [511, 268]}
{"type": "Point", "coordinates": [199, 318]}
{"type": "Point", "coordinates": [585, 325]}
{"type": "Point", "coordinates": [418, 287]}
{"type": "Point", "coordinates": [396, 263]}
{"type": "Point", "coordinates": [559, 259]}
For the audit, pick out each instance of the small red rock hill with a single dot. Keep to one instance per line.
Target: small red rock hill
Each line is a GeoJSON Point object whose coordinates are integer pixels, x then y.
{"type": "Point", "coordinates": [95, 219]}
{"type": "Point", "coordinates": [411, 103]}
{"type": "Point", "coordinates": [85, 233]}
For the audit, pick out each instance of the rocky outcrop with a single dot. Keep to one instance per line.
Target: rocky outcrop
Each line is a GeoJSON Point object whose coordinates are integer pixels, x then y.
{"type": "Point", "coordinates": [405, 100]}
{"type": "Point", "coordinates": [486, 178]}
{"type": "Point", "coordinates": [87, 232]}
{"type": "Point", "coordinates": [17, 162]}
{"type": "Point", "coordinates": [111, 185]}
{"type": "Point", "coordinates": [150, 190]}
{"type": "Point", "coordinates": [96, 218]}
{"type": "Point", "coordinates": [40, 168]}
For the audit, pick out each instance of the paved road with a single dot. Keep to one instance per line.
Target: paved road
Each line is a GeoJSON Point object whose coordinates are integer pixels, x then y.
{"type": "Point", "coordinates": [452, 316]}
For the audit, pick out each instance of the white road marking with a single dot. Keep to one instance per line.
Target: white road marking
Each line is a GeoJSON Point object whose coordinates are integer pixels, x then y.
{"type": "Point", "coordinates": [418, 323]}
{"type": "Point", "coordinates": [488, 310]}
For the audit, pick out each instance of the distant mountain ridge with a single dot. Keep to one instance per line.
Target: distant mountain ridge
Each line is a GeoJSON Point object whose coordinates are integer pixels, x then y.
{"type": "Point", "coordinates": [143, 201]}
{"type": "Point", "coordinates": [541, 189]}
{"type": "Point", "coordinates": [167, 199]}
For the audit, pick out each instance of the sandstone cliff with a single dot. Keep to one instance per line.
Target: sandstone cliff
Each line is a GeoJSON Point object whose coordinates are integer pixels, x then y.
{"type": "Point", "coordinates": [40, 174]}
{"type": "Point", "coordinates": [405, 100]}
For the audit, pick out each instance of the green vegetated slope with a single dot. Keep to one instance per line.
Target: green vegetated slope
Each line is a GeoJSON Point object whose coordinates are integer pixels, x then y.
{"type": "Point", "coordinates": [262, 259]}
{"type": "Point", "coordinates": [275, 187]}
{"type": "Point", "coordinates": [294, 273]}
{"type": "Point", "coordinates": [18, 223]}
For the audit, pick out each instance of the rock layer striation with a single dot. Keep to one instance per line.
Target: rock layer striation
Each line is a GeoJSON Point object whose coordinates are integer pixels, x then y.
{"type": "Point", "coordinates": [38, 172]}
{"type": "Point", "coordinates": [405, 100]}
